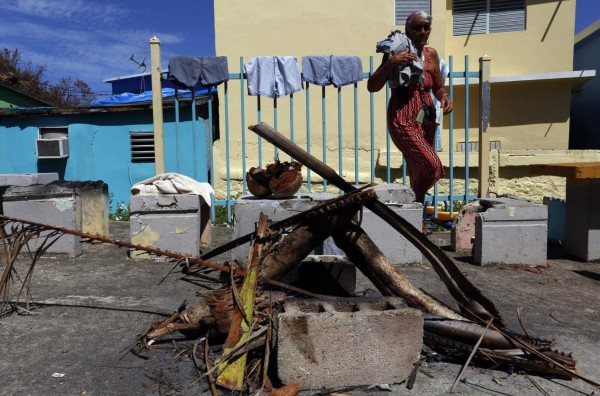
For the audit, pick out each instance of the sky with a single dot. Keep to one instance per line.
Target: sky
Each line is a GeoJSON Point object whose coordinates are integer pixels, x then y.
{"type": "Point", "coordinates": [93, 40]}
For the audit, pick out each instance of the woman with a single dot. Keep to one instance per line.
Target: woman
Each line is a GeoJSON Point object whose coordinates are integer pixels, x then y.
{"type": "Point", "coordinates": [410, 119]}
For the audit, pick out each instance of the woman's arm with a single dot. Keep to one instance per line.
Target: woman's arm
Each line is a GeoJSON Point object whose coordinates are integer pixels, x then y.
{"type": "Point", "coordinates": [439, 91]}
{"type": "Point", "coordinates": [379, 77]}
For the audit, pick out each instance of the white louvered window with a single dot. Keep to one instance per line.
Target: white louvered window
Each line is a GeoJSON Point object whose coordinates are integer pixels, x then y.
{"type": "Point", "coordinates": [487, 16]}
{"type": "Point", "coordinates": [404, 8]}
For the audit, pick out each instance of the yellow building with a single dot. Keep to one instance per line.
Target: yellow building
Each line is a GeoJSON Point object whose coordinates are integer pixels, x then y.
{"type": "Point", "coordinates": [530, 43]}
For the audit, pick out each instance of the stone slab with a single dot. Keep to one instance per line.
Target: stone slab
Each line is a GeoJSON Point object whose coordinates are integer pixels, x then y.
{"type": "Point", "coordinates": [350, 342]}
{"type": "Point", "coordinates": [47, 204]}
{"type": "Point", "coordinates": [391, 243]}
{"type": "Point", "coordinates": [27, 179]}
{"type": "Point", "coordinates": [167, 222]}
{"type": "Point", "coordinates": [248, 209]}
{"type": "Point", "coordinates": [511, 231]}
{"type": "Point", "coordinates": [462, 232]}
{"type": "Point", "coordinates": [394, 193]}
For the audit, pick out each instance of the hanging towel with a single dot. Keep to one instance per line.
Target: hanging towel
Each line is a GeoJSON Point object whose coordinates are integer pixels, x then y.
{"type": "Point", "coordinates": [399, 42]}
{"type": "Point", "coordinates": [438, 106]}
{"type": "Point", "coordinates": [273, 76]}
{"type": "Point", "coordinates": [345, 70]}
{"type": "Point", "coordinates": [439, 113]}
{"type": "Point", "coordinates": [316, 69]}
{"type": "Point", "coordinates": [188, 70]}
{"type": "Point", "coordinates": [214, 70]}
{"type": "Point", "coordinates": [324, 70]}
{"type": "Point", "coordinates": [185, 70]}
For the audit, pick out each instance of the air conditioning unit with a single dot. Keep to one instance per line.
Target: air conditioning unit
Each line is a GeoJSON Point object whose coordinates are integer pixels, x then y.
{"type": "Point", "coordinates": [52, 148]}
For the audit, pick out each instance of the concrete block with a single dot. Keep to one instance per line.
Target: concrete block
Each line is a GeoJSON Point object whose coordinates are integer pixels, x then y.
{"type": "Point", "coordinates": [330, 275]}
{"type": "Point", "coordinates": [167, 222]}
{"type": "Point", "coordinates": [557, 209]}
{"type": "Point", "coordinates": [47, 204]}
{"type": "Point", "coordinates": [94, 201]}
{"type": "Point", "coordinates": [248, 209]}
{"type": "Point", "coordinates": [511, 231]}
{"type": "Point", "coordinates": [394, 193]}
{"type": "Point", "coordinates": [393, 245]}
{"type": "Point", "coordinates": [462, 232]}
{"type": "Point", "coordinates": [582, 223]}
{"type": "Point", "coordinates": [27, 179]}
{"type": "Point", "coordinates": [22, 180]}
{"type": "Point", "coordinates": [347, 342]}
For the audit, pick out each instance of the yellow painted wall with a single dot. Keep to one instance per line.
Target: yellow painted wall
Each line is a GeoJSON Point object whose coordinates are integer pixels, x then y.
{"type": "Point", "coordinates": [524, 115]}
{"type": "Point", "coordinates": [546, 45]}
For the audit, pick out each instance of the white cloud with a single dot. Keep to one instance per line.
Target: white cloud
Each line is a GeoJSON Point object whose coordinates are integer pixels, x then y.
{"type": "Point", "coordinates": [58, 9]}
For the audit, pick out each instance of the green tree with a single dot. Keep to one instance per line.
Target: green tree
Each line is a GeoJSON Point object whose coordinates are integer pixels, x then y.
{"type": "Point", "coordinates": [28, 78]}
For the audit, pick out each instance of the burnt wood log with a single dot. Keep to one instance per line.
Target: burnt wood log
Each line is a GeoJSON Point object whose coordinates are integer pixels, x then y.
{"type": "Point", "coordinates": [294, 247]}
{"type": "Point", "coordinates": [472, 302]}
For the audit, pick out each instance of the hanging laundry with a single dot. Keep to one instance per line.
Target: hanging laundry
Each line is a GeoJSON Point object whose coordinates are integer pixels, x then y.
{"type": "Point", "coordinates": [399, 42]}
{"type": "Point", "coordinates": [324, 70]}
{"type": "Point", "coordinates": [188, 70]}
{"type": "Point", "coordinates": [316, 69]}
{"type": "Point", "coordinates": [273, 76]}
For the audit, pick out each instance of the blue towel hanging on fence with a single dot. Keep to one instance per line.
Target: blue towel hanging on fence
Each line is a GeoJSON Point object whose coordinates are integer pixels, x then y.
{"type": "Point", "coordinates": [325, 70]}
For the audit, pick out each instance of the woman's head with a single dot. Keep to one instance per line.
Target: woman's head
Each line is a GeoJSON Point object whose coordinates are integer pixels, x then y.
{"type": "Point", "coordinates": [418, 27]}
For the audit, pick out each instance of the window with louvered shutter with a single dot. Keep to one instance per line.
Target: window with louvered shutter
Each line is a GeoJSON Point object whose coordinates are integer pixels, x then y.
{"type": "Point", "coordinates": [487, 16]}
{"type": "Point", "coordinates": [142, 146]}
{"type": "Point", "coordinates": [406, 7]}
{"type": "Point", "coordinates": [507, 15]}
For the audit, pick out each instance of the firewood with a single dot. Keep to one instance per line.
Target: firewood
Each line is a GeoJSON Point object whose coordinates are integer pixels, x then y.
{"type": "Point", "coordinates": [472, 302]}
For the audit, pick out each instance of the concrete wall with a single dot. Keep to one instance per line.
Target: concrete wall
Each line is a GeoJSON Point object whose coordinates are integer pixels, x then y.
{"type": "Point", "coordinates": [525, 115]}
{"type": "Point", "coordinates": [549, 31]}
{"type": "Point", "coordinates": [99, 148]}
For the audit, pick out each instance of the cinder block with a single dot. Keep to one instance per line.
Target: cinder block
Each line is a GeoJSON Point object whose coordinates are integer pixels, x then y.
{"type": "Point", "coordinates": [248, 209]}
{"type": "Point", "coordinates": [394, 193]}
{"type": "Point", "coordinates": [511, 231]}
{"type": "Point", "coordinates": [47, 204]}
{"type": "Point", "coordinates": [167, 222]}
{"type": "Point", "coordinates": [556, 218]}
{"type": "Point", "coordinates": [330, 275]}
{"type": "Point", "coordinates": [393, 245]}
{"type": "Point", "coordinates": [462, 232]}
{"type": "Point", "coordinates": [347, 342]}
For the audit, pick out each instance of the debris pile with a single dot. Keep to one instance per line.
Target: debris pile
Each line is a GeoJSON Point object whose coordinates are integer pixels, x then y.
{"type": "Point", "coordinates": [235, 327]}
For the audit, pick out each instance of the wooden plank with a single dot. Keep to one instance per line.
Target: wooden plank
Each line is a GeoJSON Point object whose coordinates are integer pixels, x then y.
{"type": "Point", "coordinates": [574, 170]}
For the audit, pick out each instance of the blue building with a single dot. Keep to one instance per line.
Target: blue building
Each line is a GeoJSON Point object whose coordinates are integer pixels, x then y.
{"type": "Point", "coordinates": [112, 143]}
{"type": "Point", "coordinates": [583, 133]}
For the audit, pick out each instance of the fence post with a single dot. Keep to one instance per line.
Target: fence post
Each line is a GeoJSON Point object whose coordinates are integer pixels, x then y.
{"type": "Point", "coordinates": [484, 123]}
{"type": "Point", "coordinates": [157, 114]}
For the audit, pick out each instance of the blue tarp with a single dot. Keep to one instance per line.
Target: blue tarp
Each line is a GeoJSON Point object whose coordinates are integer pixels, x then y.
{"type": "Point", "coordinates": [146, 96]}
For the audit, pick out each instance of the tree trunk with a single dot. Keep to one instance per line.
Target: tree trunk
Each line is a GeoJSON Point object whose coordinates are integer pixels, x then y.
{"type": "Point", "coordinates": [303, 240]}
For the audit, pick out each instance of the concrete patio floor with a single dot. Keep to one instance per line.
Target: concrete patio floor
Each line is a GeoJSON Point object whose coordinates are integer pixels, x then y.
{"type": "Point", "coordinates": [93, 306]}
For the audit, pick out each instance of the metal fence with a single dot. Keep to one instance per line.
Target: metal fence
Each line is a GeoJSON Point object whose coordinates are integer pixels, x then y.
{"type": "Point", "coordinates": [322, 134]}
